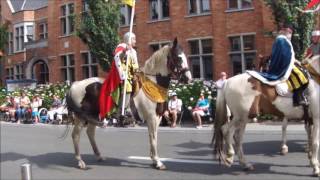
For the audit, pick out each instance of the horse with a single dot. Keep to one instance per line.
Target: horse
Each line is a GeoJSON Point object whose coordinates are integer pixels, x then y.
{"type": "Point", "coordinates": [238, 94]}
{"type": "Point", "coordinates": [83, 100]}
{"type": "Point", "coordinates": [313, 62]}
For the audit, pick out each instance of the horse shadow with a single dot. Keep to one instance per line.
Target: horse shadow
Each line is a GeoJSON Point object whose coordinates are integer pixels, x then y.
{"type": "Point", "coordinates": [265, 148]}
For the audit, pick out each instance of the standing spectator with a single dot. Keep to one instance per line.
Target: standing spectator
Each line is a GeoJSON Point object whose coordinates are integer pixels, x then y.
{"type": "Point", "coordinates": [222, 80]}
{"type": "Point", "coordinates": [35, 104]}
{"type": "Point", "coordinates": [56, 109]}
{"type": "Point", "coordinates": [22, 106]}
{"type": "Point", "coordinates": [201, 109]}
{"type": "Point", "coordinates": [174, 108]}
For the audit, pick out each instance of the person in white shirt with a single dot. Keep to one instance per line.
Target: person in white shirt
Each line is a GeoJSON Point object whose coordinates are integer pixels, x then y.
{"type": "Point", "coordinates": [174, 108]}
{"type": "Point", "coordinates": [35, 104]}
{"type": "Point", "coordinates": [222, 80]}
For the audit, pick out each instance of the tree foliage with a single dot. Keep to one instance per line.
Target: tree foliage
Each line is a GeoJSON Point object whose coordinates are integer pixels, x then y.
{"type": "Point", "coordinates": [3, 36]}
{"type": "Point", "coordinates": [98, 28]}
{"type": "Point", "coordinates": [285, 13]}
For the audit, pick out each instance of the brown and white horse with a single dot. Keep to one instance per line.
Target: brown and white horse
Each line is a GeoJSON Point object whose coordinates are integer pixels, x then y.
{"type": "Point", "coordinates": [239, 95]}
{"type": "Point", "coordinates": [82, 100]}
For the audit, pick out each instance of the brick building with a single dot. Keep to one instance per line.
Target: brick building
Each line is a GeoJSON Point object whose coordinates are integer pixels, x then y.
{"type": "Point", "coordinates": [216, 35]}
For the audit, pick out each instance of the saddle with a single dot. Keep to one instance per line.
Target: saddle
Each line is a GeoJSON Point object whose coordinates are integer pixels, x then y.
{"type": "Point", "coordinates": [152, 90]}
{"type": "Point", "coordinates": [294, 88]}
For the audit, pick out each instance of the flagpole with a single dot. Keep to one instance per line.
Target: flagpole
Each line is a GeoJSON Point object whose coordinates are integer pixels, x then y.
{"type": "Point", "coordinates": [127, 64]}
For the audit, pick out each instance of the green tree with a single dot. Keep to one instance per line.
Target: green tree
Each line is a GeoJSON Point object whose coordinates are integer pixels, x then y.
{"type": "Point", "coordinates": [3, 36]}
{"type": "Point", "coordinates": [285, 13]}
{"type": "Point", "coordinates": [98, 28]}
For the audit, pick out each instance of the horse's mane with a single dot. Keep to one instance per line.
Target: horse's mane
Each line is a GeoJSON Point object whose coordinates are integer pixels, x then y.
{"type": "Point", "coordinates": [156, 64]}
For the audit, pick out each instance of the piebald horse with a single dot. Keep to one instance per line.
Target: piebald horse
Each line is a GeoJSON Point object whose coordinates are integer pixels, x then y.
{"type": "Point", "coordinates": [83, 100]}
{"type": "Point", "coordinates": [239, 95]}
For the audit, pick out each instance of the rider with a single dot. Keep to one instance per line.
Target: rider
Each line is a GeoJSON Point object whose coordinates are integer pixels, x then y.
{"type": "Point", "coordinates": [280, 67]}
{"type": "Point", "coordinates": [111, 93]}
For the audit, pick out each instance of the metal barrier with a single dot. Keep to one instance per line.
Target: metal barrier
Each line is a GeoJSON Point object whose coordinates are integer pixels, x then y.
{"type": "Point", "coordinates": [26, 172]}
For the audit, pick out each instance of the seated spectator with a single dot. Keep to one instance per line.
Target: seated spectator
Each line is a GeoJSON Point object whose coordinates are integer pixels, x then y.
{"type": "Point", "coordinates": [221, 81]}
{"type": "Point", "coordinates": [201, 109]}
{"type": "Point", "coordinates": [23, 103]}
{"type": "Point", "coordinates": [9, 107]}
{"type": "Point", "coordinates": [174, 108]}
{"type": "Point", "coordinates": [35, 104]}
{"type": "Point", "coordinates": [56, 109]}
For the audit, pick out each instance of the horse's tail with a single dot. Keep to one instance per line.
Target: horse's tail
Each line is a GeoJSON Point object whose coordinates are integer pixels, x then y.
{"type": "Point", "coordinates": [220, 119]}
{"type": "Point", "coordinates": [70, 119]}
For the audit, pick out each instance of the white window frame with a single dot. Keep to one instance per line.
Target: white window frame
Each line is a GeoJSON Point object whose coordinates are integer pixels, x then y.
{"type": "Point", "coordinates": [160, 44]}
{"type": "Point", "coordinates": [201, 54]}
{"type": "Point", "coordinates": [242, 51]}
{"type": "Point", "coordinates": [126, 13]}
{"type": "Point", "coordinates": [10, 73]}
{"type": "Point", "coordinates": [198, 10]}
{"type": "Point", "coordinates": [18, 71]}
{"type": "Point", "coordinates": [10, 43]}
{"type": "Point", "coordinates": [67, 19]}
{"type": "Point", "coordinates": [22, 36]}
{"type": "Point", "coordinates": [239, 7]}
{"type": "Point", "coordinates": [90, 64]}
{"type": "Point", "coordinates": [68, 66]}
{"type": "Point", "coordinates": [43, 30]}
{"type": "Point", "coordinates": [84, 8]}
{"type": "Point", "coordinates": [160, 12]}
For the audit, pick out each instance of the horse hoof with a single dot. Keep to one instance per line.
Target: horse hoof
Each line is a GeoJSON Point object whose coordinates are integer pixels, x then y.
{"type": "Point", "coordinates": [249, 168]}
{"type": "Point", "coordinates": [162, 167]}
{"type": "Point", "coordinates": [283, 152]}
{"type": "Point", "coordinates": [82, 165]}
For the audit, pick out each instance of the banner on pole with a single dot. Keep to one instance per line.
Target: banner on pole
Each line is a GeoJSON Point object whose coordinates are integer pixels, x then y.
{"type": "Point", "coordinates": [128, 2]}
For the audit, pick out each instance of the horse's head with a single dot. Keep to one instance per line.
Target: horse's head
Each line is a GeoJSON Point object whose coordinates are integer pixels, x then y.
{"type": "Point", "coordinates": [314, 61]}
{"type": "Point", "coordinates": [177, 63]}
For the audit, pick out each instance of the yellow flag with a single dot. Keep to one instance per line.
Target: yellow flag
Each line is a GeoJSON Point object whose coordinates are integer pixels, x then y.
{"type": "Point", "coordinates": [129, 2]}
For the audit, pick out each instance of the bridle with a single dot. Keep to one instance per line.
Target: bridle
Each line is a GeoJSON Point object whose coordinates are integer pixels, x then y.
{"type": "Point", "coordinates": [174, 65]}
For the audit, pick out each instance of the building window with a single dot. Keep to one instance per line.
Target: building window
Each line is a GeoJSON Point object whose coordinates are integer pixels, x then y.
{"type": "Point", "coordinates": [125, 15]}
{"type": "Point", "coordinates": [89, 65]}
{"type": "Point", "coordinates": [19, 72]}
{"type": "Point", "coordinates": [19, 38]}
{"type": "Point", "coordinates": [156, 46]}
{"type": "Point", "coordinates": [30, 33]}
{"type": "Point", "coordinates": [242, 53]}
{"type": "Point", "coordinates": [239, 4]}
{"type": "Point", "coordinates": [10, 41]}
{"type": "Point", "coordinates": [67, 69]}
{"type": "Point", "coordinates": [198, 7]}
{"type": "Point", "coordinates": [159, 9]}
{"type": "Point", "coordinates": [23, 32]}
{"type": "Point", "coordinates": [67, 19]}
{"type": "Point", "coordinates": [85, 9]}
{"type": "Point", "coordinates": [43, 31]}
{"type": "Point", "coordinates": [10, 73]}
{"type": "Point", "coordinates": [201, 57]}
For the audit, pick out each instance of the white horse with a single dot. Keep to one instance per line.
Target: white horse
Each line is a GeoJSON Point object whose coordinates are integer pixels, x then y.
{"type": "Point", "coordinates": [239, 95]}
{"type": "Point", "coordinates": [313, 62]}
{"type": "Point", "coordinates": [83, 99]}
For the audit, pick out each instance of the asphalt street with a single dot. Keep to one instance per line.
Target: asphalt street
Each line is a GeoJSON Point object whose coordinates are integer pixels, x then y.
{"type": "Point", "coordinates": [185, 152]}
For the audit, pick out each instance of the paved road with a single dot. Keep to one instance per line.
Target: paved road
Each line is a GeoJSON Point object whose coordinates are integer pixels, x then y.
{"type": "Point", "coordinates": [186, 151]}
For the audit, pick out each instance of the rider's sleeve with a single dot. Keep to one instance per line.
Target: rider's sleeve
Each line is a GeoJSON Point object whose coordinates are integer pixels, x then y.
{"type": "Point", "coordinates": [119, 50]}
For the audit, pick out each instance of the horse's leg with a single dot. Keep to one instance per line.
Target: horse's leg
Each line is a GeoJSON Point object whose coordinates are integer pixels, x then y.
{"type": "Point", "coordinates": [238, 140]}
{"type": "Point", "coordinates": [91, 131]}
{"type": "Point", "coordinates": [78, 125]}
{"type": "Point", "coordinates": [284, 147]}
{"type": "Point", "coordinates": [308, 148]}
{"type": "Point", "coordinates": [153, 124]}
{"type": "Point", "coordinates": [228, 132]}
{"type": "Point", "coordinates": [315, 147]}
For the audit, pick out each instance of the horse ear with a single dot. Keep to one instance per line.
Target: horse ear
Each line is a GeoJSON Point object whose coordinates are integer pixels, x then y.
{"type": "Point", "coordinates": [175, 42]}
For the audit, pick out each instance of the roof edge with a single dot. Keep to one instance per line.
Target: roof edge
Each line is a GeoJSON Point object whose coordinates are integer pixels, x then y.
{"type": "Point", "coordinates": [10, 6]}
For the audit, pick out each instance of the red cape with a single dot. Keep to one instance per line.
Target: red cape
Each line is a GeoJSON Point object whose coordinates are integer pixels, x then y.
{"type": "Point", "coordinates": [311, 4]}
{"type": "Point", "coordinates": [110, 84]}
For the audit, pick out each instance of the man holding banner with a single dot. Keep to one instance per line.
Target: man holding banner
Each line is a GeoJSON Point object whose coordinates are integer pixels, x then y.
{"type": "Point", "coordinates": [116, 89]}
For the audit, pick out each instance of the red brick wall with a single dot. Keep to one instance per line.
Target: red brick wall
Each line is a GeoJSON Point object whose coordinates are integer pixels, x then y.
{"type": "Point", "coordinates": [218, 25]}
